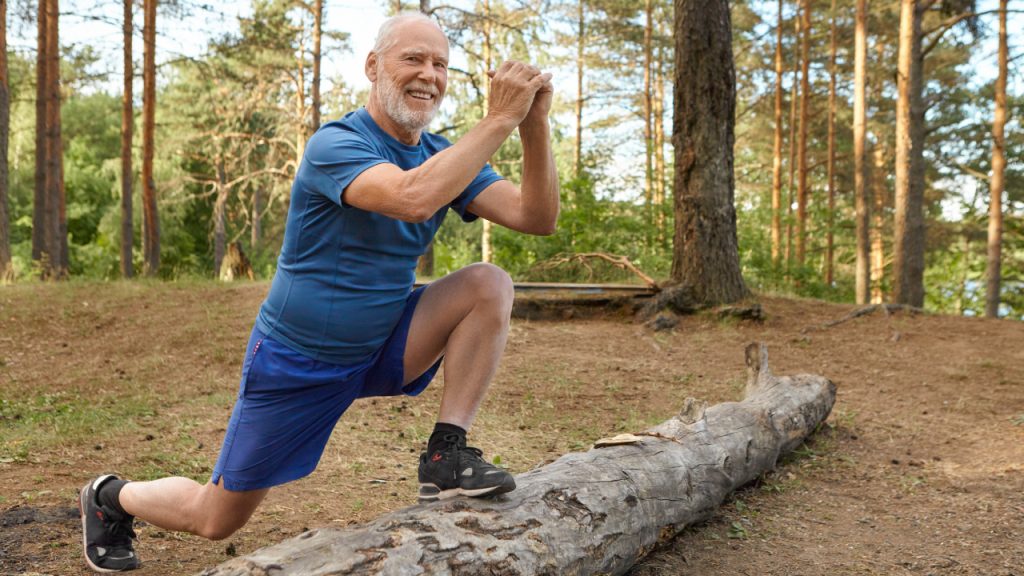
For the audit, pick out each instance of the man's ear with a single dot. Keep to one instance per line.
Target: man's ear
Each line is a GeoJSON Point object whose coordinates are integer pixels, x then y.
{"type": "Point", "coordinates": [371, 66]}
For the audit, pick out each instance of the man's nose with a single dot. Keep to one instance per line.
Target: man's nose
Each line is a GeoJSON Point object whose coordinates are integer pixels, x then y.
{"type": "Point", "coordinates": [427, 73]}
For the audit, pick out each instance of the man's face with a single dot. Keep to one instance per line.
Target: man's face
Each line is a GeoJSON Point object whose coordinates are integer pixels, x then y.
{"type": "Point", "coordinates": [412, 75]}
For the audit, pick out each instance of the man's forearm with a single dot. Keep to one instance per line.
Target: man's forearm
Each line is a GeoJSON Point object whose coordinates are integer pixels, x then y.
{"type": "Point", "coordinates": [540, 175]}
{"type": "Point", "coordinates": [445, 175]}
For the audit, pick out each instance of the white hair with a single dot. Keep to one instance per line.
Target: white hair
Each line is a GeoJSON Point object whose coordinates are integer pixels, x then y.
{"type": "Point", "coordinates": [386, 34]}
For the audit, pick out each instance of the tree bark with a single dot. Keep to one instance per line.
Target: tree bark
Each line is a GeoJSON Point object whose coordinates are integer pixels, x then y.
{"type": "Point", "coordinates": [6, 266]}
{"type": "Point", "coordinates": [908, 244]}
{"type": "Point", "coordinates": [127, 129]}
{"type": "Point", "coordinates": [648, 112]}
{"type": "Point", "coordinates": [794, 92]}
{"type": "Point", "coordinates": [993, 267]}
{"type": "Point", "coordinates": [830, 235]}
{"type": "Point", "coordinates": [705, 255]}
{"type": "Point", "coordinates": [659, 142]}
{"type": "Point", "coordinates": [805, 100]}
{"type": "Point", "coordinates": [57, 229]}
{"type": "Point", "coordinates": [219, 225]}
{"type": "Point", "coordinates": [594, 512]}
{"type": "Point", "coordinates": [151, 219]}
{"type": "Point", "coordinates": [485, 236]}
{"type": "Point", "coordinates": [879, 193]}
{"type": "Point", "coordinates": [425, 265]}
{"type": "Point", "coordinates": [777, 148]}
{"type": "Point", "coordinates": [577, 156]}
{"type": "Point", "coordinates": [861, 200]}
{"type": "Point", "coordinates": [41, 255]}
{"type": "Point", "coordinates": [318, 19]}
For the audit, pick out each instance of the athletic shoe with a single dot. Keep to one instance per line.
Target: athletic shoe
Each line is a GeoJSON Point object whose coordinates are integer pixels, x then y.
{"type": "Point", "coordinates": [460, 470]}
{"type": "Point", "coordinates": [106, 534]}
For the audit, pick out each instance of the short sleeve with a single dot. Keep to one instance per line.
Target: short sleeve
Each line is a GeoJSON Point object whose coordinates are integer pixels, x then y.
{"type": "Point", "coordinates": [485, 178]}
{"type": "Point", "coordinates": [341, 155]}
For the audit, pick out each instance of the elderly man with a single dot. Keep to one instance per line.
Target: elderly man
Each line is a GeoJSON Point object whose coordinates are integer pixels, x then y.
{"type": "Point", "coordinates": [341, 320]}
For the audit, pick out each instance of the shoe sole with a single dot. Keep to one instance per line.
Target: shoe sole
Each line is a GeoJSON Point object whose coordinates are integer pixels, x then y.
{"type": "Point", "coordinates": [453, 492]}
{"type": "Point", "coordinates": [85, 545]}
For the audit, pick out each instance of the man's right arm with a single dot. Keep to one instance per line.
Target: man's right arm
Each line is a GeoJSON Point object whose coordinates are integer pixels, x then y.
{"type": "Point", "coordinates": [415, 195]}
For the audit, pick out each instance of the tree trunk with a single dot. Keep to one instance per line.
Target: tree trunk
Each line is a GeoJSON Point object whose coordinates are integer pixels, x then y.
{"type": "Point", "coordinates": [647, 113]}
{"type": "Point", "coordinates": [659, 142]}
{"type": "Point", "coordinates": [993, 267]}
{"type": "Point", "coordinates": [219, 227]}
{"type": "Point", "coordinates": [794, 92]}
{"type": "Point", "coordinates": [127, 128]}
{"type": "Point", "coordinates": [485, 237]}
{"type": "Point", "coordinates": [425, 265]}
{"type": "Point", "coordinates": [879, 193]}
{"type": "Point", "coordinates": [6, 266]}
{"type": "Point", "coordinates": [41, 255]}
{"type": "Point", "coordinates": [150, 216]}
{"type": "Point", "coordinates": [300, 103]}
{"type": "Point", "coordinates": [908, 245]}
{"type": "Point", "coordinates": [595, 512]}
{"type": "Point", "coordinates": [861, 200]}
{"type": "Point", "coordinates": [256, 219]}
{"type": "Point", "coordinates": [705, 256]}
{"type": "Point", "coordinates": [777, 149]}
{"type": "Point", "coordinates": [580, 64]}
{"type": "Point", "coordinates": [58, 226]}
{"type": "Point", "coordinates": [318, 19]}
{"type": "Point", "coordinates": [830, 235]}
{"type": "Point", "coordinates": [805, 100]}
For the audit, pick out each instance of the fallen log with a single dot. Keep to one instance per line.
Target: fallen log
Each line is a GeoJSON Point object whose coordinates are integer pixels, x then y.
{"type": "Point", "coordinates": [586, 513]}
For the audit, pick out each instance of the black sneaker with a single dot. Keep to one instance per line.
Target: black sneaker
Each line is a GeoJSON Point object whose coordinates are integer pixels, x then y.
{"type": "Point", "coordinates": [460, 470]}
{"type": "Point", "coordinates": [106, 535]}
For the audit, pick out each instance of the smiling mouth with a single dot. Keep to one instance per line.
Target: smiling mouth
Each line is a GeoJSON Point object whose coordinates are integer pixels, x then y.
{"type": "Point", "coordinates": [420, 95]}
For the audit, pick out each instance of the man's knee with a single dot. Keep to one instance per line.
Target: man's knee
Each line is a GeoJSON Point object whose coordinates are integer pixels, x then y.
{"type": "Point", "coordinates": [492, 284]}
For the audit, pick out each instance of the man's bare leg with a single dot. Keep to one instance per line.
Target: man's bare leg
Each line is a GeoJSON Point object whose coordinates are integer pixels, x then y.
{"type": "Point", "coordinates": [184, 505]}
{"type": "Point", "coordinates": [464, 316]}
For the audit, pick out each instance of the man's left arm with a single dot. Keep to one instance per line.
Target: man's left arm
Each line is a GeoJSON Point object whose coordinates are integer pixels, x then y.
{"type": "Point", "coordinates": [533, 207]}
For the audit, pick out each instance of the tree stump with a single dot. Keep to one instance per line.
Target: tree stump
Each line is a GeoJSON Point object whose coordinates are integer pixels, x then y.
{"type": "Point", "coordinates": [596, 512]}
{"type": "Point", "coordinates": [235, 264]}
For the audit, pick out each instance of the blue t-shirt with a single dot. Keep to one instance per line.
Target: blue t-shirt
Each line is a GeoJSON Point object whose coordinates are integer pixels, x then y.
{"type": "Point", "coordinates": [344, 273]}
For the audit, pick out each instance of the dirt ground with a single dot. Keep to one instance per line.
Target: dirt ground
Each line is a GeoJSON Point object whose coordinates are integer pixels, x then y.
{"type": "Point", "coordinates": [919, 471]}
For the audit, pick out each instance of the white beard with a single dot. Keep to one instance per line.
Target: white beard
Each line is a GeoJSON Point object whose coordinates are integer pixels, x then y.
{"type": "Point", "coordinates": [392, 97]}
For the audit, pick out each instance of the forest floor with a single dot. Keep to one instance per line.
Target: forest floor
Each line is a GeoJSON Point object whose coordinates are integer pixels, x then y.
{"type": "Point", "coordinates": [920, 469]}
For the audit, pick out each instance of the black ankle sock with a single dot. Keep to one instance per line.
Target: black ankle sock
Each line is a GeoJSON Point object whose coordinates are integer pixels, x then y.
{"type": "Point", "coordinates": [109, 495]}
{"type": "Point", "coordinates": [441, 430]}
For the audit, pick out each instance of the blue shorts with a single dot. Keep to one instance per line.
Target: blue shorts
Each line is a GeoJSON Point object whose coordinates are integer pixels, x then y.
{"type": "Point", "coordinates": [289, 403]}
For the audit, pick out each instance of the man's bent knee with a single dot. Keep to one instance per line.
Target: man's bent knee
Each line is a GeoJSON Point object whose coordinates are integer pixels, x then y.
{"type": "Point", "coordinates": [217, 529]}
{"type": "Point", "coordinates": [492, 283]}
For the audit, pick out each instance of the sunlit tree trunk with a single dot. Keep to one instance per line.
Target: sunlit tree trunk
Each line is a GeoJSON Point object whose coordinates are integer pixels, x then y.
{"type": "Point", "coordinates": [150, 216]}
{"type": "Point", "coordinates": [219, 225]}
{"type": "Point", "coordinates": [777, 148]}
{"type": "Point", "coordinates": [993, 267]}
{"type": "Point", "coordinates": [794, 93]}
{"type": "Point", "coordinates": [705, 253]}
{"type": "Point", "coordinates": [581, 29]}
{"type": "Point", "coordinates": [659, 142]}
{"type": "Point", "coordinates": [485, 238]}
{"type": "Point", "coordinates": [6, 266]}
{"type": "Point", "coordinates": [908, 229]}
{"type": "Point", "coordinates": [127, 128]}
{"type": "Point", "coordinates": [425, 264]}
{"type": "Point", "coordinates": [318, 19]}
{"type": "Point", "coordinates": [41, 255]}
{"type": "Point", "coordinates": [647, 112]}
{"type": "Point", "coordinates": [861, 200]}
{"type": "Point", "coordinates": [879, 192]}
{"type": "Point", "coordinates": [300, 102]}
{"type": "Point", "coordinates": [802, 168]}
{"type": "Point", "coordinates": [58, 227]}
{"type": "Point", "coordinates": [830, 235]}
{"type": "Point", "coordinates": [256, 219]}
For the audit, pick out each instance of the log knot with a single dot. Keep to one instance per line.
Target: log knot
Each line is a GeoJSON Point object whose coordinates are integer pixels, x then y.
{"type": "Point", "coordinates": [569, 505]}
{"type": "Point", "coordinates": [692, 411]}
